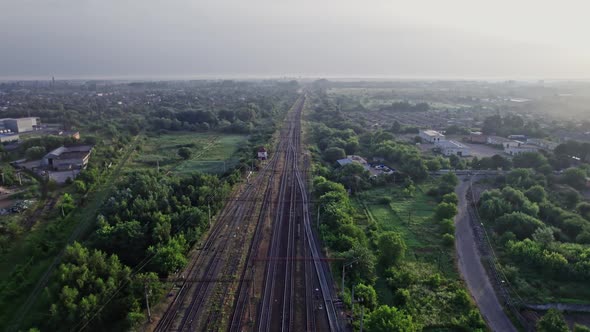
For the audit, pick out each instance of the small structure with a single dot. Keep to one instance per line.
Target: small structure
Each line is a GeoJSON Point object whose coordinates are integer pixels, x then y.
{"type": "Point", "coordinates": [449, 148]}
{"type": "Point", "coordinates": [517, 137]}
{"type": "Point", "coordinates": [431, 136]}
{"type": "Point", "coordinates": [344, 161]}
{"type": "Point", "coordinates": [262, 154]}
{"type": "Point", "coordinates": [66, 158]}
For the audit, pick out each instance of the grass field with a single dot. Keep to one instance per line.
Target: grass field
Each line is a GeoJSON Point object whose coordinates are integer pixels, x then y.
{"type": "Point", "coordinates": [209, 151]}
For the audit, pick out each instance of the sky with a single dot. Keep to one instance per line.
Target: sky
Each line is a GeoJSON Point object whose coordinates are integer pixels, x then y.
{"type": "Point", "coordinates": [516, 39]}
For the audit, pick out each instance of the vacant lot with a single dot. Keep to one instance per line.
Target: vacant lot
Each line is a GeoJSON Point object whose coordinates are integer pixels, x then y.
{"type": "Point", "coordinates": [209, 152]}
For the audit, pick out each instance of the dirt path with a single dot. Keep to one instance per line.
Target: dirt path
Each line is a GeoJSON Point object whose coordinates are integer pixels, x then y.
{"type": "Point", "coordinates": [472, 270]}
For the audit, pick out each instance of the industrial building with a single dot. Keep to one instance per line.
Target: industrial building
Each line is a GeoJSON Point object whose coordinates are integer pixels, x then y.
{"type": "Point", "coordinates": [431, 136]}
{"type": "Point", "coordinates": [66, 158]}
{"type": "Point", "coordinates": [19, 125]}
{"type": "Point", "coordinates": [449, 148]}
{"type": "Point", "coordinates": [7, 136]}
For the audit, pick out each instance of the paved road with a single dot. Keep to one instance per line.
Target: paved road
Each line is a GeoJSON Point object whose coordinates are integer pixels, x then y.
{"type": "Point", "coordinates": [472, 270]}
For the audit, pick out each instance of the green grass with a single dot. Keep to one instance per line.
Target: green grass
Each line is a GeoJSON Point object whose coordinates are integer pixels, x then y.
{"type": "Point", "coordinates": [209, 152]}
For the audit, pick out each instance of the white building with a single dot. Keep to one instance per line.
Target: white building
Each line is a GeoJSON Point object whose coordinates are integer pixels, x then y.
{"type": "Point", "coordinates": [449, 148]}
{"type": "Point", "coordinates": [431, 136]}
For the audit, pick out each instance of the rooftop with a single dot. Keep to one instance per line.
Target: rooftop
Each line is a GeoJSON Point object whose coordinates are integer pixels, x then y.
{"type": "Point", "coordinates": [431, 132]}
{"type": "Point", "coordinates": [451, 144]}
{"type": "Point", "coordinates": [69, 151]}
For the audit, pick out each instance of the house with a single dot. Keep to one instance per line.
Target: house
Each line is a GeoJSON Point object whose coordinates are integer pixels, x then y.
{"type": "Point", "coordinates": [19, 125]}
{"type": "Point", "coordinates": [431, 136]}
{"type": "Point", "coordinates": [451, 147]}
{"type": "Point", "coordinates": [262, 154]}
{"type": "Point", "coordinates": [344, 161]}
{"type": "Point", "coordinates": [66, 158]}
{"type": "Point", "coordinates": [515, 150]}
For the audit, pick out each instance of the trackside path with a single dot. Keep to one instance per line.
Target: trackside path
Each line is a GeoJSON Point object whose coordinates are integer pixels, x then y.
{"type": "Point", "coordinates": [472, 270]}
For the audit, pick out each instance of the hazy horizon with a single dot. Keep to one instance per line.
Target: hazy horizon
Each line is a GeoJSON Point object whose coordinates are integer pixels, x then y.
{"type": "Point", "coordinates": [179, 39]}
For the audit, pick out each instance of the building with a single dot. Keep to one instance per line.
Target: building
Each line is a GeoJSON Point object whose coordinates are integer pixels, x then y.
{"type": "Point", "coordinates": [504, 142]}
{"type": "Point", "coordinates": [449, 148]}
{"type": "Point", "coordinates": [477, 137]}
{"type": "Point", "coordinates": [542, 143]}
{"type": "Point", "coordinates": [19, 125]}
{"type": "Point", "coordinates": [431, 136]}
{"type": "Point", "coordinates": [517, 137]}
{"type": "Point", "coordinates": [7, 136]}
{"type": "Point", "coordinates": [515, 150]}
{"type": "Point", "coordinates": [262, 154]}
{"type": "Point", "coordinates": [66, 158]}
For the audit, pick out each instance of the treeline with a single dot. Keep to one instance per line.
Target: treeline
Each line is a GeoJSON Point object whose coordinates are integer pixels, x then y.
{"type": "Point", "coordinates": [404, 106]}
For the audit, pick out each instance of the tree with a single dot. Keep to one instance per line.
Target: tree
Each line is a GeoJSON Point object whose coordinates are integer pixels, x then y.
{"type": "Point", "coordinates": [445, 211]}
{"type": "Point", "coordinates": [536, 194]}
{"type": "Point", "coordinates": [80, 186]}
{"type": "Point", "coordinates": [185, 153]}
{"type": "Point", "coordinates": [450, 198]}
{"type": "Point", "coordinates": [390, 319]}
{"type": "Point", "coordinates": [334, 153]}
{"type": "Point", "coordinates": [367, 295]}
{"type": "Point", "coordinates": [519, 223]}
{"type": "Point", "coordinates": [169, 257]}
{"type": "Point", "coordinates": [392, 248]}
{"type": "Point", "coordinates": [552, 321]}
{"type": "Point", "coordinates": [575, 177]}
{"type": "Point", "coordinates": [35, 152]}
{"type": "Point", "coordinates": [581, 328]}
{"type": "Point", "coordinates": [448, 240]}
{"type": "Point", "coordinates": [543, 236]}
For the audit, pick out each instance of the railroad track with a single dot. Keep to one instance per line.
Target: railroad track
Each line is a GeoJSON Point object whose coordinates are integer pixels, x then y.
{"type": "Point", "coordinates": [295, 293]}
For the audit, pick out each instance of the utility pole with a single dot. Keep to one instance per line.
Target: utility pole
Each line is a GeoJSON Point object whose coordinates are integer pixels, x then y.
{"type": "Point", "coordinates": [158, 166]}
{"type": "Point", "coordinates": [362, 316]}
{"type": "Point", "coordinates": [209, 209]}
{"type": "Point", "coordinates": [352, 304]}
{"type": "Point", "coordinates": [318, 223]}
{"type": "Point", "coordinates": [147, 302]}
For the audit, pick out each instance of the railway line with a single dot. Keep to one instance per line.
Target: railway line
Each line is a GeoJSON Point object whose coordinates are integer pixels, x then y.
{"type": "Point", "coordinates": [262, 240]}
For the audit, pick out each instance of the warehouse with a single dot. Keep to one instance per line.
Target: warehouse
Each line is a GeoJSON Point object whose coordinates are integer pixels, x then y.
{"type": "Point", "coordinates": [19, 125]}
{"type": "Point", "coordinates": [66, 158]}
{"type": "Point", "coordinates": [449, 148]}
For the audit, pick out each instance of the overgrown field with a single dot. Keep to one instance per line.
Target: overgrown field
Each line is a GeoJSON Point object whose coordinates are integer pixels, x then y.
{"type": "Point", "coordinates": [208, 152]}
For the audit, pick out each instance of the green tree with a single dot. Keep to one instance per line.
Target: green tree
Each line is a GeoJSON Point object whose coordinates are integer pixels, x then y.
{"type": "Point", "coordinates": [334, 153]}
{"type": "Point", "coordinates": [35, 152]}
{"type": "Point", "coordinates": [169, 257]}
{"type": "Point", "coordinates": [450, 198]}
{"type": "Point", "coordinates": [552, 321]}
{"type": "Point", "coordinates": [575, 177]}
{"type": "Point", "coordinates": [367, 295]}
{"type": "Point", "coordinates": [536, 194]}
{"type": "Point", "coordinates": [185, 153]}
{"type": "Point", "coordinates": [445, 211]}
{"type": "Point", "coordinates": [392, 248]}
{"type": "Point", "coordinates": [80, 186]}
{"type": "Point", "coordinates": [390, 319]}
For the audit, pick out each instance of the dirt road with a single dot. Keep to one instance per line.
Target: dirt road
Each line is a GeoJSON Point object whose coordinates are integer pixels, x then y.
{"type": "Point", "coordinates": [472, 270]}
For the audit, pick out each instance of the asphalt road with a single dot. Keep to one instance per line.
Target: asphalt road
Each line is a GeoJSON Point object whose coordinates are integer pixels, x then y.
{"type": "Point", "coordinates": [472, 270]}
